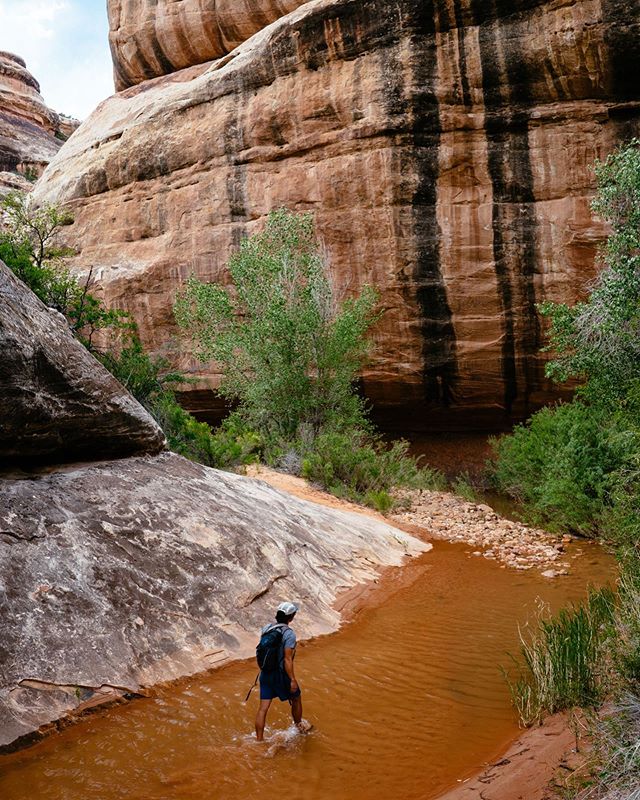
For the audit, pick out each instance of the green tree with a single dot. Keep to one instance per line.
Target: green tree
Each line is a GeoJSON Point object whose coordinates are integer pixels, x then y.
{"type": "Point", "coordinates": [598, 340]}
{"type": "Point", "coordinates": [288, 351]}
{"type": "Point", "coordinates": [29, 245]}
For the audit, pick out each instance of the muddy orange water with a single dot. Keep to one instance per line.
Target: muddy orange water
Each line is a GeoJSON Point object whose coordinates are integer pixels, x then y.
{"type": "Point", "coordinates": [406, 700]}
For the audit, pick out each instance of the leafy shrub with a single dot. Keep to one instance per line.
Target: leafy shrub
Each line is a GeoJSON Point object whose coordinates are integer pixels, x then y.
{"type": "Point", "coordinates": [143, 375]}
{"type": "Point", "coordinates": [561, 465]}
{"type": "Point", "coordinates": [228, 446]}
{"type": "Point", "coordinates": [288, 351]}
{"type": "Point", "coordinates": [365, 469]}
{"type": "Point", "coordinates": [463, 487]}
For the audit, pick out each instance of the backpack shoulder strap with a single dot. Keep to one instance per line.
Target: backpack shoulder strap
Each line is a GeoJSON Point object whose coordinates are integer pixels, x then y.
{"type": "Point", "coordinates": [274, 625]}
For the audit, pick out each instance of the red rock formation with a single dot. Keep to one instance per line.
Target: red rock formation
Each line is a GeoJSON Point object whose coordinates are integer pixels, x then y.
{"type": "Point", "coordinates": [150, 38]}
{"type": "Point", "coordinates": [30, 133]}
{"type": "Point", "coordinates": [445, 149]}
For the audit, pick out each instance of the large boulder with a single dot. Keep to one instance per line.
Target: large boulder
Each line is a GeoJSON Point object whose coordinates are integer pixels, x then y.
{"type": "Point", "coordinates": [58, 402]}
{"type": "Point", "coordinates": [445, 149]}
{"type": "Point", "coordinates": [119, 575]}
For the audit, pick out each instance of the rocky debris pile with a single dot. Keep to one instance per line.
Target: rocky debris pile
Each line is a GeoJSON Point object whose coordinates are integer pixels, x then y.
{"type": "Point", "coordinates": [513, 544]}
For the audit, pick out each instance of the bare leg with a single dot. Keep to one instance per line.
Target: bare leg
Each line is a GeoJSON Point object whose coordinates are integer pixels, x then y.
{"type": "Point", "coordinates": [296, 709]}
{"type": "Point", "coordinates": [261, 718]}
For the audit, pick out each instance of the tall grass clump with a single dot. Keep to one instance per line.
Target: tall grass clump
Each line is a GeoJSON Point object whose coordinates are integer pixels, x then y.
{"type": "Point", "coordinates": [563, 659]}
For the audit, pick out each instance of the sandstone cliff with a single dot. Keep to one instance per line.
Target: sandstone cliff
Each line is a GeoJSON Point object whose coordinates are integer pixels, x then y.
{"type": "Point", "coordinates": [150, 38]}
{"type": "Point", "coordinates": [30, 133]}
{"type": "Point", "coordinates": [444, 147]}
{"type": "Point", "coordinates": [58, 402]}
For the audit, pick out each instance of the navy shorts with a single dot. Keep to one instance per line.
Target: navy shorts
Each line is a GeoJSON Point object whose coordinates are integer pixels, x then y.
{"type": "Point", "coordinates": [276, 684]}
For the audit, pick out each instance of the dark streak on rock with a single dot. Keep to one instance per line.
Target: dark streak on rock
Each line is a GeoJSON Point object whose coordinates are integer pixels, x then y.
{"type": "Point", "coordinates": [513, 214]}
{"type": "Point", "coordinates": [438, 335]}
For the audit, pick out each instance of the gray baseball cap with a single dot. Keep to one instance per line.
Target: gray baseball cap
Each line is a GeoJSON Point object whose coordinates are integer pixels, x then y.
{"type": "Point", "coordinates": [288, 608]}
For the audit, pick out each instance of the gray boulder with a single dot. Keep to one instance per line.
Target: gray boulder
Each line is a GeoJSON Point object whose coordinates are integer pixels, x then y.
{"type": "Point", "coordinates": [59, 403]}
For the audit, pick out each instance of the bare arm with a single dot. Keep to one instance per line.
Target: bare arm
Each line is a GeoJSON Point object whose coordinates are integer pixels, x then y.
{"type": "Point", "coordinates": [288, 667]}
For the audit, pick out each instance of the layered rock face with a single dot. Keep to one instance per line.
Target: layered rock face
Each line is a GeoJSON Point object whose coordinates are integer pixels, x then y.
{"type": "Point", "coordinates": [59, 403]}
{"type": "Point", "coordinates": [150, 38]}
{"type": "Point", "coordinates": [139, 571]}
{"type": "Point", "coordinates": [30, 132]}
{"type": "Point", "coordinates": [444, 147]}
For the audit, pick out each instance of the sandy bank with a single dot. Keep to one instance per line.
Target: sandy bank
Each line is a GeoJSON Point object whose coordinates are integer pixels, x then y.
{"type": "Point", "coordinates": [537, 766]}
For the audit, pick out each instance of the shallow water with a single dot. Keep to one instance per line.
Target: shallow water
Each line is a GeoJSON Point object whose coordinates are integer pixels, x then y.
{"type": "Point", "coordinates": [405, 700]}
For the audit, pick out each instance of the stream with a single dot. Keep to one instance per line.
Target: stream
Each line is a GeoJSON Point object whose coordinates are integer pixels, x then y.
{"type": "Point", "coordinates": [405, 700]}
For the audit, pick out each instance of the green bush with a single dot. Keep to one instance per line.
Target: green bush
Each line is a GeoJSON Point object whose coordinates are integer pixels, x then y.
{"type": "Point", "coordinates": [143, 375]}
{"type": "Point", "coordinates": [464, 488]}
{"type": "Point", "coordinates": [288, 351]}
{"type": "Point", "coordinates": [561, 465]}
{"type": "Point", "coordinates": [365, 469]}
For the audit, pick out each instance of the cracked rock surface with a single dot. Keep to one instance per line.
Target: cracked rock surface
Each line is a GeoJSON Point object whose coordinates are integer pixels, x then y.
{"type": "Point", "coordinates": [118, 575]}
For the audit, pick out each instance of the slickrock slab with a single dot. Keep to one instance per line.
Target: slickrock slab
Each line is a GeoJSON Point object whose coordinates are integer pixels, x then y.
{"type": "Point", "coordinates": [119, 575]}
{"type": "Point", "coordinates": [514, 544]}
{"type": "Point", "coordinates": [445, 149]}
{"type": "Point", "coordinates": [58, 402]}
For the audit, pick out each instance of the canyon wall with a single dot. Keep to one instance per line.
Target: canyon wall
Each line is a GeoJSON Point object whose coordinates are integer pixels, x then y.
{"type": "Point", "coordinates": [444, 147]}
{"type": "Point", "coordinates": [150, 38]}
{"type": "Point", "coordinates": [30, 133]}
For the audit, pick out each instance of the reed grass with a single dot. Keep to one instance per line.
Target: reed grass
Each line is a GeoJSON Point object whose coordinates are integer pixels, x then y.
{"type": "Point", "coordinates": [562, 661]}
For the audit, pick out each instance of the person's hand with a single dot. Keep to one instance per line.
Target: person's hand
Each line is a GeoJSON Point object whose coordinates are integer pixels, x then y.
{"type": "Point", "coordinates": [294, 686]}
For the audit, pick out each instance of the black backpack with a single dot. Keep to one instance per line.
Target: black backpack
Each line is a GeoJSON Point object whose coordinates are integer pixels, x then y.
{"type": "Point", "coordinates": [268, 649]}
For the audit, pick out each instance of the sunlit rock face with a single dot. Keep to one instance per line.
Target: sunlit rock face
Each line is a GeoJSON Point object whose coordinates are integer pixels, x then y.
{"type": "Point", "coordinates": [150, 38]}
{"type": "Point", "coordinates": [445, 149]}
{"type": "Point", "coordinates": [120, 575]}
{"type": "Point", "coordinates": [30, 132]}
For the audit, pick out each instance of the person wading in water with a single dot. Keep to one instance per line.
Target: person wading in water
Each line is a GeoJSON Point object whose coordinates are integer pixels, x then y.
{"type": "Point", "coordinates": [275, 653]}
